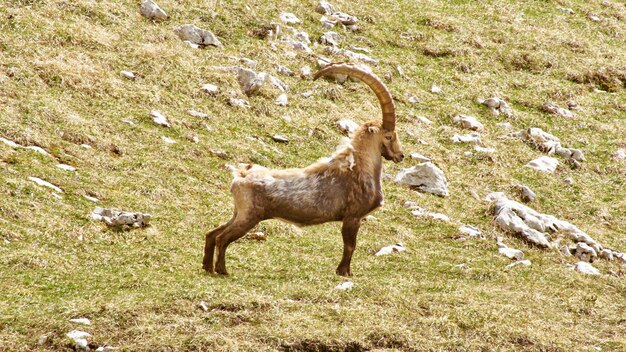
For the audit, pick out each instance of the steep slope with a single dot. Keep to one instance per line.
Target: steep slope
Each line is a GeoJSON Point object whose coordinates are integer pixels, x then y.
{"type": "Point", "coordinates": [61, 88]}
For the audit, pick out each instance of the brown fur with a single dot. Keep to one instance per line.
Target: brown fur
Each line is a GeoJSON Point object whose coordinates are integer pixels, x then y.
{"type": "Point", "coordinates": [346, 188]}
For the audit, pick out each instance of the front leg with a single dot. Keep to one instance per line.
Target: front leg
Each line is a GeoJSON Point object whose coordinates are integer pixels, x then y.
{"type": "Point", "coordinates": [348, 232]}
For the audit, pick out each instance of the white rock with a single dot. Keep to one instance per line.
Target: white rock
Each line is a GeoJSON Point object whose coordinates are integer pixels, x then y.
{"type": "Point", "coordinates": [351, 55]}
{"type": "Point", "coordinates": [510, 253]}
{"type": "Point", "coordinates": [307, 94]}
{"type": "Point", "coordinates": [594, 18]}
{"type": "Point", "coordinates": [426, 177]}
{"type": "Point", "coordinates": [238, 103]}
{"type": "Point", "coordinates": [585, 253]}
{"type": "Point", "coordinates": [497, 106]}
{"type": "Point", "coordinates": [423, 120]}
{"type": "Point", "coordinates": [419, 157]}
{"type": "Point", "coordinates": [283, 70]}
{"type": "Point", "coordinates": [66, 167]}
{"type": "Point", "coordinates": [330, 38]}
{"type": "Point", "coordinates": [282, 100]}
{"type": "Point", "coordinates": [413, 99]}
{"type": "Point", "coordinates": [606, 254]}
{"type": "Point", "coordinates": [168, 140]}
{"type": "Point", "coordinates": [462, 266]}
{"type": "Point", "coordinates": [106, 348]}
{"type": "Point", "coordinates": [43, 183]}
{"type": "Point", "coordinates": [471, 231]}
{"type": "Point", "coordinates": [86, 146]}
{"type": "Point", "coordinates": [250, 81]}
{"type": "Point", "coordinates": [93, 199]}
{"type": "Point", "coordinates": [128, 74]}
{"type": "Point", "coordinates": [466, 138]}
{"type": "Point", "coordinates": [121, 219]}
{"type": "Point", "coordinates": [289, 18]}
{"type": "Point", "coordinates": [436, 90]}
{"type": "Point", "coordinates": [346, 285]}
{"type": "Point", "coordinates": [198, 114]}
{"type": "Point", "coordinates": [527, 194]}
{"type": "Point", "coordinates": [468, 122]}
{"type": "Point", "coordinates": [83, 321]}
{"type": "Point", "coordinates": [191, 45]}
{"type": "Point", "coordinates": [556, 110]}
{"type": "Point", "coordinates": [483, 150]}
{"type": "Point", "coordinates": [586, 268]}
{"type": "Point", "coordinates": [348, 126]}
{"type": "Point", "coordinates": [80, 339]}
{"type": "Point", "coordinates": [209, 88]}
{"type": "Point", "coordinates": [569, 181]}
{"type": "Point", "coordinates": [151, 10]}
{"type": "Point", "coordinates": [324, 8]}
{"type": "Point", "coordinates": [38, 150]}
{"type": "Point", "coordinates": [361, 49]}
{"type": "Point", "coordinates": [419, 212]}
{"type": "Point", "coordinates": [128, 121]}
{"type": "Point", "coordinates": [195, 35]}
{"type": "Point", "coordinates": [10, 143]}
{"type": "Point", "coordinates": [159, 118]}
{"type": "Point", "coordinates": [287, 118]}
{"type": "Point", "coordinates": [533, 226]}
{"type": "Point", "coordinates": [567, 10]}
{"type": "Point", "coordinates": [398, 247]}
{"type": "Point", "coordinates": [280, 139]}
{"type": "Point", "coordinates": [544, 164]}
{"type": "Point", "coordinates": [305, 72]}
{"type": "Point", "coordinates": [525, 262]}
{"type": "Point", "coordinates": [278, 83]}
{"type": "Point", "coordinates": [620, 154]}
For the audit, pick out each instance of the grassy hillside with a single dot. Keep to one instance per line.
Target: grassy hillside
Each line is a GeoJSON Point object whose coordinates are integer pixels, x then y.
{"type": "Point", "coordinates": [61, 87]}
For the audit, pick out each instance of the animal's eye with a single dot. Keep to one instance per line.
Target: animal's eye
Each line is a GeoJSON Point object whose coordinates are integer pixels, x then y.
{"type": "Point", "coordinates": [388, 138]}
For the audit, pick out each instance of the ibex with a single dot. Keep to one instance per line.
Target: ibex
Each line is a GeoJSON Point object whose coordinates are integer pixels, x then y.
{"type": "Point", "coordinates": [345, 187]}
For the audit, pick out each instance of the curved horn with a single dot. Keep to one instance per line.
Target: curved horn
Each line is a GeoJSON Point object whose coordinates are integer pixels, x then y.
{"type": "Point", "coordinates": [379, 88]}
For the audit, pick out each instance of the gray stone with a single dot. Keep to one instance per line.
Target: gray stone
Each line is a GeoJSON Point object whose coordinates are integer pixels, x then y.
{"type": "Point", "coordinates": [468, 122]}
{"type": "Point", "coordinates": [419, 157]}
{"type": "Point", "coordinates": [121, 219]}
{"type": "Point", "coordinates": [280, 139]}
{"type": "Point", "coordinates": [43, 183]}
{"type": "Point", "coordinates": [80, 339]}
{"type": "Point", "coordinates": [289, 18]}
{"type": "Point", "coordinates": [250, 81]}
{"type": "Point", "coordinates": [467, 138]}
{"type": "Point", "coordinates": [527, 195]}
{"type": "Point", "coordinates": [586, 268]}
{"type": "Point", "coordinates": [324, 8]}
{"type": "Point", "coordinates": [151, 10]}
{"type": "Point", "coordinates": [544, 164]}
{"type": "Point", "coordinates": [283, 70]}
{"type": "Point", "coordinates": [330, 38]}
{"type": "Point", "coordinates": [195, 35]}
{"type": "Point", "coordinates": [584, 252]}
{"type": "Point", "coordinates": [425, 177]}
{"type": "Point", "coordinates": [348, 126]}
{"type": "Point", "coordinates": [554, 109]}
{"type": "Point", "coordinates": [159, 118]}
{"type": "Point", "coordinates": [282, 100]}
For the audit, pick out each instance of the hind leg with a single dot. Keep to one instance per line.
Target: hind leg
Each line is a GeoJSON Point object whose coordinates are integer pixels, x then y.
{"type": "Point", "coordinates": [209, 245]}
{"type": "Point", "coordinates": [231, 233]}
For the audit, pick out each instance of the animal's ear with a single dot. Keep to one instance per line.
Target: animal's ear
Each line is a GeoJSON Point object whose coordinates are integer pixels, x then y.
{"type": "Point", "coordinates": [373, 129]}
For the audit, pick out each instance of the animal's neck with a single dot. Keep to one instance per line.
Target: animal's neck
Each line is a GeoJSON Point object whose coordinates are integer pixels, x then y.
{"type": "Point", "coordinates": [369, 161]}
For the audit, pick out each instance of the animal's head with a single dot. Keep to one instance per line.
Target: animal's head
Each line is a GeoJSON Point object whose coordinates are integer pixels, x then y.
{"type": "Point", "coordinates": [388, 141]}
{"type": "Point", "coordinates": [383, 132]}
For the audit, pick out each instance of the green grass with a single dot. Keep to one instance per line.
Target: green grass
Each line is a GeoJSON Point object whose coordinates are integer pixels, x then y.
{"type": "Point", "coordinates": [60, 87]}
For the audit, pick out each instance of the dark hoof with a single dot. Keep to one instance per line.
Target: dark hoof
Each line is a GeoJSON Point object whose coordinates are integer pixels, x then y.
{"type": "Point", "coordinates": [344, 272]}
